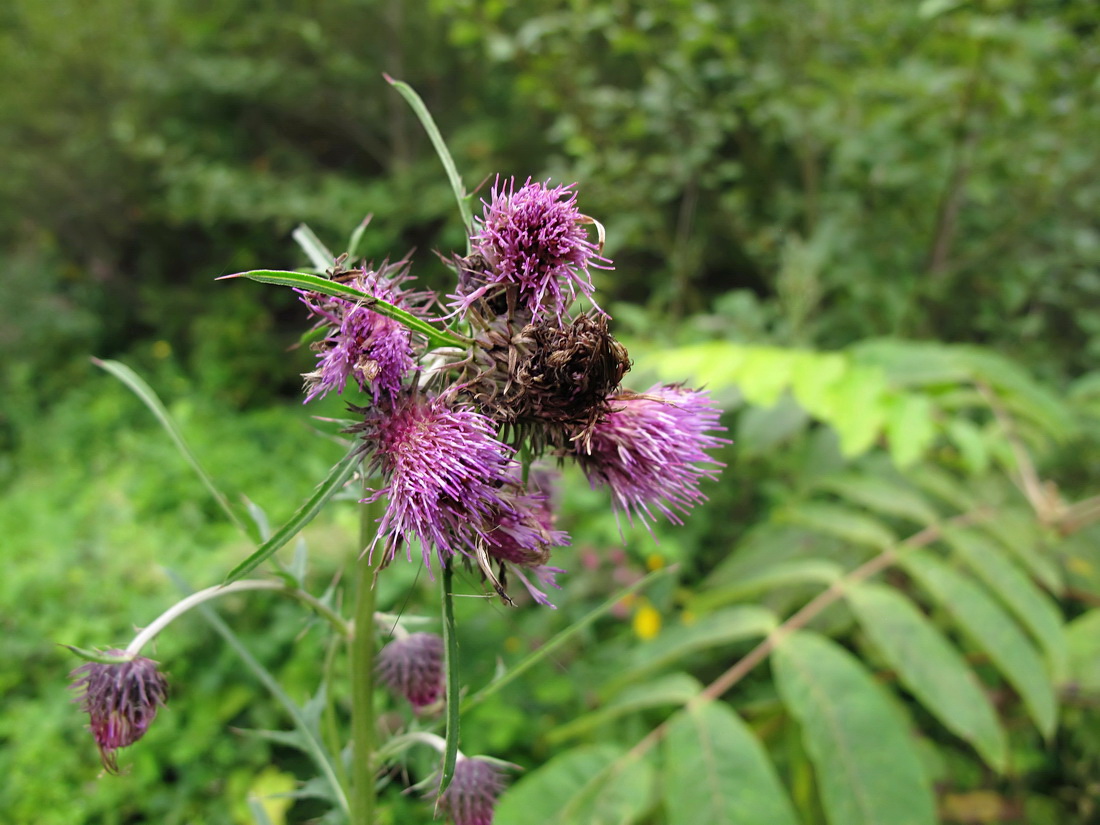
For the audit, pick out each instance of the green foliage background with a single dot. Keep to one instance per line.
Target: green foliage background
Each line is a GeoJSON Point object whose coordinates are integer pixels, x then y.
{"type": "Point", "coordinates": [869, 227]}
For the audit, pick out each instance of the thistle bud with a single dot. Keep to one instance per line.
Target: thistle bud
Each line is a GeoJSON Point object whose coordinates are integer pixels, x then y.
{"type": "Point", "coordinates": [413, 667]}
{"type": "Point", "coordinates": [121, 700]}
{"type": "Point", "coordinates": [472, 794]}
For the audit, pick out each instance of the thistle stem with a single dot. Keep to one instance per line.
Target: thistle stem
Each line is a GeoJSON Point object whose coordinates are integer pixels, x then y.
{"type": "Point", "coordinates": [362, 673]}
{"type": "Point", "coordinates": [195, 599]}
{"type": "Point", "coordinates": [450, 664]}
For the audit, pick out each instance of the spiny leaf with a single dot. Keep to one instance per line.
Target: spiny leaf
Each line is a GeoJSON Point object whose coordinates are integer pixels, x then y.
{"type": "Point", "coordinates": [716, 771]}
{"type": "Point", "coordinates": [866, 763]}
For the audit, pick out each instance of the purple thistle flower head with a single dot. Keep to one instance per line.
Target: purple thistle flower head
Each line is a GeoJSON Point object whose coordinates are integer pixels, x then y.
{"type": "Point", "coordinates": [413, 667]}
{"type": "Point", "coordinates": [472, 794]}
{"type": "Point", "coordinates": [374, 350]}
{"type": "Point", "coordinates": [650, 450]}
{"type": "Point", "coordinates": [521, 537]}
{"type": "Point", "coordinates": [121, 700]}
{"type": "Point", "coordinates": [446, 475]}
{"type": "Point", "coordinates": [533, 239]}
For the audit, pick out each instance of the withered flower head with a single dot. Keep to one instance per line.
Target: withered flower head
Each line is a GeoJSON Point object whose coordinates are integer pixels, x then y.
{"type": "Point", "coordinates": [121, 700]}
{"type": "Point", "coordinates": [550, 383]}
{"type": "Point", "coordinates": [413, 667]}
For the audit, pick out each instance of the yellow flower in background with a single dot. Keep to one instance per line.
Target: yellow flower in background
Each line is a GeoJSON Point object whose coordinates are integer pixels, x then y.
{"type": "Point", "coordinates": [647, 622]}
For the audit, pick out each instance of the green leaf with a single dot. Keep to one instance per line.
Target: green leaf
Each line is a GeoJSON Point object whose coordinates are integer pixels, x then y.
{"type": "Point", "coordinates": [991, 629]}
{"type": "Point", "coordinates": [329, 486]}
{"type": "Point", "coordinates": [413, 99]}
{"type": "Point", "coordinates": [813, 378]}
{"type": "Point", "coordinates": [930, 668]}
{"type": "Point", "coordinates": [867, 766]}
{"type": "Point", "coordinates": [765, 373]}
{"type": "Point", "coordinates": [716, 771]}
{"type": "Point", "coordinates": [1083, 641]}
{"type": "Point", "coordinates": [842, 522]}
{"type": "Point", "coordinates": [673, 689]}
{"type": "Point", "coordinates": [711, 630]}
{"type": "Point", "coordinates": [882, 495]}
{"type": "Point", "coordinates": [760, 429]}
{"type": "Point", "coordinates": [559, 639]}
{"type": "Point", "coordinates": [859, 403]}
{"type": "Point", "coordinates": [793, 572]}
{"type": "Point", "coordinates": [148, 397]}
{"type": "Point", "coordinates": [1034, 610]}
{"type": "Point", "coordinates": [594, 785]}
{"type": "Point", "coordinates": [971, 443]}
{"type": "Point", "coordinates": [910, 427]}
{"type": "Point", "coordinates": [1019, 532]}
{"type": "Point", "coordinates": [318, 254]}
{"type": "Point", "coordinates": [326, 286]}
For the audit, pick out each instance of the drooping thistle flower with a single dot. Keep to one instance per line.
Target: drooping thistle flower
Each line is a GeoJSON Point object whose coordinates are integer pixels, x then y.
{"type": "Point", "coordinates": [121, 700]}
{"type": "Point", "coordinates": [472, 795]}
{"type": "Point", "coordinates": [531, 239]}
{"type": "Point", "coordinates": [374, 350]}
{"type": "Point", "coordinates": [650, 451]}
{"type": "Point", "coordinates": [412, 667]}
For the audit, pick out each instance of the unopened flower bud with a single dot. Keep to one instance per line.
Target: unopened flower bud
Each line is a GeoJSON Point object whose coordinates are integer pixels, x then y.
{"type": "Point", "coordinates": [121, 700]}
{"type": "Point", "coordinates": [413, 667]}
{"type": "Point", "coordinates": [472, 794]}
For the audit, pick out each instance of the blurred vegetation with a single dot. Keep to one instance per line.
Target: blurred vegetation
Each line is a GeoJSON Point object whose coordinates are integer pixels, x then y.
{"type": "Point", "coordinates": [870, 227]}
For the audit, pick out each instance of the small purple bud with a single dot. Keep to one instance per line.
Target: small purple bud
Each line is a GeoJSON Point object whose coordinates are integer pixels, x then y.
{"type": "Point", "coordinates": [121, 700]}
{"type": "Point", "coordinates": [473, 792]}
{"type": "Point", "coordinates": [413, 667]}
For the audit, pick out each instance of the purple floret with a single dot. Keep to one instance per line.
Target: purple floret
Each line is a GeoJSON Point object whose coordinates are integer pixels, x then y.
{"type": "Point", "coordinates": [374, 350]}
{"type": "Point", "coordinates": [534, 239]}
{"type": "Point", "coordinates": [651, 451]}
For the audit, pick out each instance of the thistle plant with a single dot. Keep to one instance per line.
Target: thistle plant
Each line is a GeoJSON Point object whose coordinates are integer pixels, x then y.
{"type": "Point", "coordinates": [465, 405]}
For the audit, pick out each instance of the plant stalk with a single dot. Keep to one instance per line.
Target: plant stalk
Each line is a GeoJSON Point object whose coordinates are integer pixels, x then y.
{"type": "Point", "coordinates": [363, 726]}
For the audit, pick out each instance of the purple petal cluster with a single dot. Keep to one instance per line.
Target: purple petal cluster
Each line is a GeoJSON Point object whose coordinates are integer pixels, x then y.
{"type": "Point", "coordinates": [446, 475]}
{"type": "Point", "coordinates": [374, 350]}
{"type": "Point", "coordinates": [121, 701]}
{"type": "Point", "coordinates": [650, 450]}
{"type": "Point", "coordinates": [473, 792]}
{"type": "Point", "coordinates": [413, 667]}
{"type": "Point", "coordinates": [534, 239]}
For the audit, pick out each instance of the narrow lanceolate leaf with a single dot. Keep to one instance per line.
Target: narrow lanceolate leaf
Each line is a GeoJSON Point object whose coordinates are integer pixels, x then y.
{"type": "Point", "coordinates": [148, 397]}
{"type": "Point", "coordinates": [413, 99]}
{"type": "Point", "coordinates": [593, 785]}
{"type": "Point", "coordinates": [1031, 607]}
{"type": "Point", "coordinates": [715, 770]}
{"type": "Point", "coordinates": [842, 522]}
{"type": "Point", "coordinates": [315, 283]}
{"type": "Point", "coordinates": [319, 255]}
{"type": "Point", "coordinates": [991, 629]}
{"type": "Point", "coordinates": [866, 763]}
{"type": "Point", "coordinates": [929, 667]}
{"type": "Point", "coordinates": [329, 486]}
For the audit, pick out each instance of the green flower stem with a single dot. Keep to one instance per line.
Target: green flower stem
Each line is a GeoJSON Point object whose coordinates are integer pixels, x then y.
{"type": "Point", "coordinates": [362, 673]}
{"type": "Point", "coordinates": [195, 599]}
{"type": "Point", "coordinates": [450, 664]}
